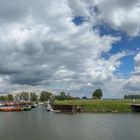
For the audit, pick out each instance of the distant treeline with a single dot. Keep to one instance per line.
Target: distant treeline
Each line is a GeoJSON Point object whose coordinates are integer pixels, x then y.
{"type": "Point", "coordinates": [131, 96]}
{"type": "Point", "coordinates": [32, 96]}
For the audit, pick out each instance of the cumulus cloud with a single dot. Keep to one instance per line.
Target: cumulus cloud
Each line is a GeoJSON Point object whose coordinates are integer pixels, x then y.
{"type": "Point", "coordinates": [119, 14]}
{"type": "Point", "coordinates": [41, 46]}
{"type": "Point", "coordinates": [133, 83]}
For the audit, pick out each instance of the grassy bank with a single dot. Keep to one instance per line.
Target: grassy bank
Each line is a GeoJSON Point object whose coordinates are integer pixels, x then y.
{"type": "Point", "coordinates": [100, 105]}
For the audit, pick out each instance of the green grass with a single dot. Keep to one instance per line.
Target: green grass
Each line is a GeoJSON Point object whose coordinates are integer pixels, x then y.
{"type": "Point", "coordinates": [100, 105]}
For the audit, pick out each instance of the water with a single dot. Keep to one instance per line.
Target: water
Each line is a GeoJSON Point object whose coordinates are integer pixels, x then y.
{"type": "Point", "coordinates": [39, 124]}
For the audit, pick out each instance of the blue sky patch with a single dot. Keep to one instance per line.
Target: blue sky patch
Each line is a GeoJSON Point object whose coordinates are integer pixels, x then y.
{"type": "Point", "coordinates": [126, 43]}
{"type": "Point", "coordinates": [78, 20]}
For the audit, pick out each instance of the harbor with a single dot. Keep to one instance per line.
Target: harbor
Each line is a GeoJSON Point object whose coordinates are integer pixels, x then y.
{"type": "Point", "coordinates": [17, 106]}
{"type": "Point", "coordinates": [74, 106]}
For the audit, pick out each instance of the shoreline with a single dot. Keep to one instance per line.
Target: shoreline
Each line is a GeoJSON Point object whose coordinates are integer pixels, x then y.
{"type": "Point", "coordinates": [100, 106]}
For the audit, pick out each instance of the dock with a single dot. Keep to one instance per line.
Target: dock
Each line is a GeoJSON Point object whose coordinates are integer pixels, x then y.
{"type": "Point", "coordinates": [135, 107]}
{"type": "Point", "coordinates": [68, 108]}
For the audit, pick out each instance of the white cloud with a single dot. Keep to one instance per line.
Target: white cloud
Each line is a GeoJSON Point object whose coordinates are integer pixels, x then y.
{"type": "Point", "coordinates": [133, 83]}
{"type": "Point", "coordinates": [122, 15]}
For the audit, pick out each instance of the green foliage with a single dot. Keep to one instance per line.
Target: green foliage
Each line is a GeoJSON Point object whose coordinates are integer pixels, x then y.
{"type": "Point", "coordinates": [100, 105]}
{"type": "Point", "coordinates": [10, 97]}
{"type": "Point", "coordinates": [84, 97]}
{"type": "Point", "coordinates": [24, 96]}
{"type": "Point", "coordinates": [45, 95]}
{"type": "Point", "coordinates": [97, 94]}
{"type": "Point", "coordinates": [52, 99]}
{"type": "Point", "coordinates": [131, 96]}
{"type": "Point", "coordinates": [33, 96]}
{"type": "Point", "coordinates": [64, 96]}
{"type": "Point", "coordinates": [3, 98]}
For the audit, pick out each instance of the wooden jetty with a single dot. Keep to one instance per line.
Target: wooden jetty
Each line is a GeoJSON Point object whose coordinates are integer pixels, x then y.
{"type": "Point", "coordinates": [68, 108]}
{"type": "Point", "coordinates": [135, 107]}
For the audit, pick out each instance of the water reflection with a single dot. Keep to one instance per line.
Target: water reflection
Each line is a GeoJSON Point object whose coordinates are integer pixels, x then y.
{"type": "Point", "coordinates": [39, 124]}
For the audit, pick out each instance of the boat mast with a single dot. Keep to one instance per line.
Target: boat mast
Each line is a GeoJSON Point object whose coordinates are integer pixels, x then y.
{"type": "Point", "coordinates": [29, 97]}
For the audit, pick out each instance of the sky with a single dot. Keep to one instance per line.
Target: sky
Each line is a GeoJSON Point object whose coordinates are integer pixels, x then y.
{"type": "Point", "coordinates": [76, 46]}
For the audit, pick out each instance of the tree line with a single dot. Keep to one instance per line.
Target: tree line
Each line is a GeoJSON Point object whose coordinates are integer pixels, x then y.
{"type": "Point", "coordinates": [131, 96]}
{"type": "Point", "coordinates": [32, 96]}
{"type": "Point", "coordinates": [45, 95]}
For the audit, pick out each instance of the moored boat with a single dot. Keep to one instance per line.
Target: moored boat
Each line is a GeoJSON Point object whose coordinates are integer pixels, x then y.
{"type": "Point", "coordinates": [10, 108]}
{"type": "Point", "coordinates": [1, 104]}
{"type": "Point", "coordinates": [33, 105]}
{"type": "Point", "coordinates": [49, 107]}
{"type": "Point", "coordinates": [26, 108]}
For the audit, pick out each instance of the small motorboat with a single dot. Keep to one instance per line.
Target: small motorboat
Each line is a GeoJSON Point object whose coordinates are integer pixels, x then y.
{"type": "Point", "coordinates": [26, 108]}
{"type": "Point", "coordinates": [33, 105]}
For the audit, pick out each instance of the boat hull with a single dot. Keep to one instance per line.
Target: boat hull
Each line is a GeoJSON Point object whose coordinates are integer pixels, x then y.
{"type": "Point", "coordinates": [8, 109]}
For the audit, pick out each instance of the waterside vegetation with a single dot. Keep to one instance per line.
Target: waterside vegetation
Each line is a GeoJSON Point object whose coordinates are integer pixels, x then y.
{"type": "Point", "coordinates": [100, 105]}
{"type": "Point", "coordinates": [94, 104]}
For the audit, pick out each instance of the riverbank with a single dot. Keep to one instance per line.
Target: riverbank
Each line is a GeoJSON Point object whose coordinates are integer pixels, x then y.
{"type": "Point", "coordinates": [104, 106]}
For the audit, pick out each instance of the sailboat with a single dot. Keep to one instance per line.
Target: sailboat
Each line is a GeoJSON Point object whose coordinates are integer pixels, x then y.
{"type": "Point", "coordinates": [49, 107]}
{"type": "Point", "coordinates": [27, 107]}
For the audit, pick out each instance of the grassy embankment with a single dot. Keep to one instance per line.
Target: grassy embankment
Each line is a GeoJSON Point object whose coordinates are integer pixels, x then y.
{"type": "Point", "coordinates": [100, 105]}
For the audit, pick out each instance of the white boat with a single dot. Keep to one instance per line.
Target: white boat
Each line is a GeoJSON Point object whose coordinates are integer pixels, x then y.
{"type": "Point", "coordinates": [40, 103]}
{"type": "Point", "coordinates": [49, 107]}
{"type": "Point", "coordinates": [1, 104]}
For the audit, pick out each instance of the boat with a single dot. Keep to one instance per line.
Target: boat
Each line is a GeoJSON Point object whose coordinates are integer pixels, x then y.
{"type": "Point", "coordinates": [1, 104]}
{"type": "Point", "coordinates": [49, 107]}
{"type": "Point", "coordinates": [40, 103]}
{"type": "Point", "coordinates": [26, 108]}
{"type": "Point", "coordinates": [9, 104]}
{"type": "Point", "coordinates": [10, 108]}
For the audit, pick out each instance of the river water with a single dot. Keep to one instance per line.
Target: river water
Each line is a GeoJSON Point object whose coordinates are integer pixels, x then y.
{"type": "Point", "coordinates": [39, 124]}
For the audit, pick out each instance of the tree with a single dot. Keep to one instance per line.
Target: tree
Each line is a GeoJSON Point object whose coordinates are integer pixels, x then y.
{"type": "Point", "coordinates": [3, 98]}
{"type": "Point", "coordinates": [24, 96]}
{"type": "Point", "coordinates": [52, 99]}
{"type": "Point", "coordinates": [10, 97]}
{"type": "Point", "coordinates": [84, 97]}
{"type": "Point", "coordinates": [45, 95]}
{"type": "Point", "coordinates": [132, 96]}
{"type": "Point", "coordinates": [97, 94]}
{"type": "Point", "coordinates": [125, 96]}
{"type": "Point", "coordinates": [33, 96]}
{"type": "Point", "coordinates": [64, 96]}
